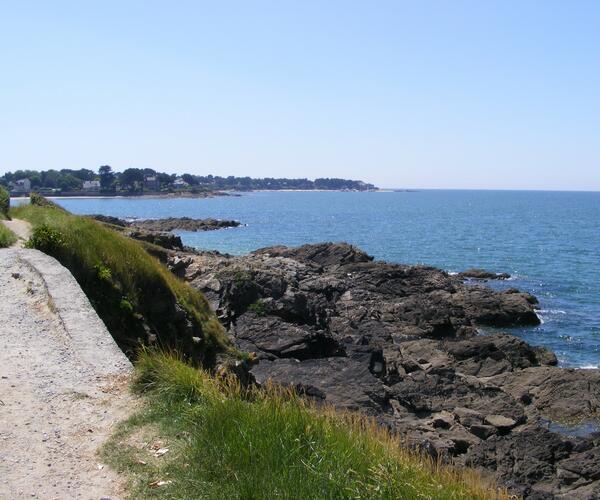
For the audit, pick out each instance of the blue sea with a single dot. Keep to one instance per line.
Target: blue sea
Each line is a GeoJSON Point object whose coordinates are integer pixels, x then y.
{"type": "Point", "coordinates": [548, 241]}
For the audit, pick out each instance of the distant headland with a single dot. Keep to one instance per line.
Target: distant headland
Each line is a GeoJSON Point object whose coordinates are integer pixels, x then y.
{"type": "Point", "coordinates": [148, 182]}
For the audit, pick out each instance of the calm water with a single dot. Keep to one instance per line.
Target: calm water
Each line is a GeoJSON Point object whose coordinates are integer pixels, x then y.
{"type": "Point", "coordinates": [549, 241]}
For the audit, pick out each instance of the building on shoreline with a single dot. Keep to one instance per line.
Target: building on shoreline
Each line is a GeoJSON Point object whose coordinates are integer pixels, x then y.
{"type": "Point", "coordinates": [22, 186]}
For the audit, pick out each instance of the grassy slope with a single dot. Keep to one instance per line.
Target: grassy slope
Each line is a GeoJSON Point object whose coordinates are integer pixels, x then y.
{"type": "Point", "coordinates": [132, 291]}
{"type": "Point", "coordinates": [225, 442]}
{"type": "Point", "coordinates": [7, 237]}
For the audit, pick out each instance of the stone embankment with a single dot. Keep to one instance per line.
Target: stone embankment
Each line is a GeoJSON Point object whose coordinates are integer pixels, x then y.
{"type": "Point", "coordinates": [62, 383]}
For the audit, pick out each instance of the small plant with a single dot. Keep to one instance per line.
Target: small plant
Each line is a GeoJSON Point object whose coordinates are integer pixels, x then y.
{"type": "Point", "coordinates": [46, 238]}
{"type": "Point", "coordinates": [259, 308]}
{"type": "Point", "coordinates": [241, 278]}
{"type": "Point", "coordinates": [7, 237]}
{"type": "Point", "coordinates": [103, 273]}
{"type": "Point", "coordinates": [126, 306]}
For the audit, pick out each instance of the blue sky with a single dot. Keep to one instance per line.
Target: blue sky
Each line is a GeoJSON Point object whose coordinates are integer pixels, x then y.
{"type": "Point", "coordinates": [446, 94]}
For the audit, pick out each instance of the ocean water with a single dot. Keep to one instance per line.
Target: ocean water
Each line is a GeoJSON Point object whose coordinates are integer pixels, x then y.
{"type": "Point", "coordinates": [548, 241]}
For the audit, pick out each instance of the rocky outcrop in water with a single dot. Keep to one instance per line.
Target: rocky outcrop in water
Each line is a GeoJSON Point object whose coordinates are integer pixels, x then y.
{"type": "Point", "coordinates": [183, 224]}
{"type": "Point", "coordinates": [159, 231]}
{"type": "Point", "coordinates": [401, 343]}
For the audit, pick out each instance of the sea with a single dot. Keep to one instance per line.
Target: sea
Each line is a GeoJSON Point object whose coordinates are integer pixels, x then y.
{"type": "Point", "coordinates": [549, 242]}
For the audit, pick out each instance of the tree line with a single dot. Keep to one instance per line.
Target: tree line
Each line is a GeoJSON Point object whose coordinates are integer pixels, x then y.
{"type": "Point", "coordinates": [136, 179]}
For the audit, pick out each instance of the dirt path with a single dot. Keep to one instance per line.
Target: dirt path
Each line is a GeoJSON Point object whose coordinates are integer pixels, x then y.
{"type": "Point", "coordinates": [21, 228]}
{"type": "Point", "coordinates": [62, 384]}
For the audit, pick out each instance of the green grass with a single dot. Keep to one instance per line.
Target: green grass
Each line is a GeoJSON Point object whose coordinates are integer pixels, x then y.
{"type": "Point", "coordinates": [134, 294]}
{"type": "Point", "coordinates": [228, 442]}
{"type": "Point", "coordinates": [4, 203]}
{"type": "Point", "coordinates": [7, 237]}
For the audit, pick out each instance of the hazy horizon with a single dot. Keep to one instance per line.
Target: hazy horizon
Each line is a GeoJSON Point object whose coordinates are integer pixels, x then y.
{"type": "Point", "coordinates": [462, 95]}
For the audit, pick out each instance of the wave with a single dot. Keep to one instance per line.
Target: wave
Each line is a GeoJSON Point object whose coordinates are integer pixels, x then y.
{"type": "Point", "coordinates": [550, 311]}
{"type": "Point", "coordinates": [589, 367]}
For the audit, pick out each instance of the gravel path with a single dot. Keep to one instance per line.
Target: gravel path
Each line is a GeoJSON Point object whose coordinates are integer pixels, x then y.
{"type": "Point", "coordinates": [62, 384]}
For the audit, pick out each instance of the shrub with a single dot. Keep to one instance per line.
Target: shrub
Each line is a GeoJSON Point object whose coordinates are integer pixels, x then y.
{"type": "Point", "coordinates": [4, 203]}
{"type": "Point", "coordinates": [46, 239]}
{"type": "Point", "coordinates": [258, 307]}
{"type": "Point", "coordinates": [7, 237]}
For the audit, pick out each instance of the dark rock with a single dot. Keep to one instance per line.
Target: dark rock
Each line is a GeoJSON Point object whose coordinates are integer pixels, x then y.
{"type": "Point", "coordinates": [481, 274]}
{"type": "Point", "coordinates": [487, 307]}
{"type": "Point", "coordinates": [327, 380]}
{"type": "Point", "coordinates": [107, 219]}
{"type": "Point", "coordinates": [558, 394]}
{"type": "Point", "coordinates": [183, 224]}
{"type": "Point", "coordinates": [323, 254]}
{"type": "Point", "coordinates": [274, 338]}
{"type": "Point", "coordinates": [165, 240]}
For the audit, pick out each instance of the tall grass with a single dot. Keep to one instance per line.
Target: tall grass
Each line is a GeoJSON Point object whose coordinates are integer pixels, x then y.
{"type": "Point", "coordinates": [232, 442]}
{"type": "Point", "coordinates": [4, 203]}
{"type": "Point", "coordinates": [7, 237]}
{"type": "Point", "coordinates": [134, 294]}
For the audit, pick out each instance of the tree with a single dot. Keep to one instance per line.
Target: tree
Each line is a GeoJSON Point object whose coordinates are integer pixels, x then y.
{"type": "Point", "coordinates": [190, 179]}
{"type": "Point", "coordinates": [69, 182]}
{"type": "Point", "coordinates": [130, 176]}
{"type": "Point", "coordinates": [107, 177]}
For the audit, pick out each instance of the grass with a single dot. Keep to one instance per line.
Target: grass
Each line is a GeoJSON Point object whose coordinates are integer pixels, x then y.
{"type": "Point", "coordinates": [4, 203]}
{"type": "Point", "coordinates": [7, 237]}
{"type": "Point", "coordinates": [135, 295]}
{"type": "Point", "coordinates": [228, 442]}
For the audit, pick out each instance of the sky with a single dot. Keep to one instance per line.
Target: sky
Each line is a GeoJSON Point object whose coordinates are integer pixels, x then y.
{"type": "Point", "coordinates": [419, 94]}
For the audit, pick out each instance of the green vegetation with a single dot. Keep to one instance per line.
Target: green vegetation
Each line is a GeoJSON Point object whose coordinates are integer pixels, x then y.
{"type": "Point", "coordinates": [7, 237]}
{"type": "Point", "coordinates": [136, 296]}
{"type": "Point", "coordinates": [135, 180]}
{"type": "Point", "coordinates": [225, 441]}
{"type": "Point", "coordinates": [259, 308]}
{"type": "Point", "coordinates": [4, 203]}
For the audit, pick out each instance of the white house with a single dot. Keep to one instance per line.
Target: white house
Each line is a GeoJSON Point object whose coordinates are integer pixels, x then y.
{"type": "Point", "coordinates": [180, 183]}
{"type": "Point", "coordinates": [21, 186]}
{"type": "Point", "coordinates": [91, 185]}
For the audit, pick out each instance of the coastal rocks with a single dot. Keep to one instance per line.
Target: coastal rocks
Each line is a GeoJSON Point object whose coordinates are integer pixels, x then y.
{"type": "Point", "coordinates": [508, 308]}
{"type": "Point", "coordinates": [165, 240]}
{"type": "Point", "coordinates": [558, 394]}
{"type": "Point", "coordinates": [401, 343]}
{"type": "Point", "coordinates": [537, 463]}
{"type": "Point", "coordinates": [159, 231]}
{"type": "Point", "coordinates": [183, 224]}
{"type": "Point", "coordinates": [482, 274]}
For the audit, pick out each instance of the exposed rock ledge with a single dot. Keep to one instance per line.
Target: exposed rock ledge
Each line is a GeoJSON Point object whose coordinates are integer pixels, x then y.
{"type": "Point", "coordinates": [170, 223]}
{"type": "Point", "coordinates": [159, 231]}
{"type": "Point", "coordinates": [401, 343]}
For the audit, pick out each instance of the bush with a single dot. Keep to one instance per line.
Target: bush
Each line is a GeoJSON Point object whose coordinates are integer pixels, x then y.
{"type": "Point", "coordinates": [259, 308]}
{"type": "Point", "coordinates": [7, 237]}
{"type": "Point", "coordinates": [46, 239]}
{"type": "Point", "coordinates": [4, 203]}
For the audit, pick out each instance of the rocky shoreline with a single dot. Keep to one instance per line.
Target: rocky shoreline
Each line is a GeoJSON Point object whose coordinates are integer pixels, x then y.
{"type": "Point", "coordinates": [401, 343]}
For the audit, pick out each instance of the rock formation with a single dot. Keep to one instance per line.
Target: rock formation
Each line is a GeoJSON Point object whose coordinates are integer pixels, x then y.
{"type": "Point", "coordinates": [401, 343]}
